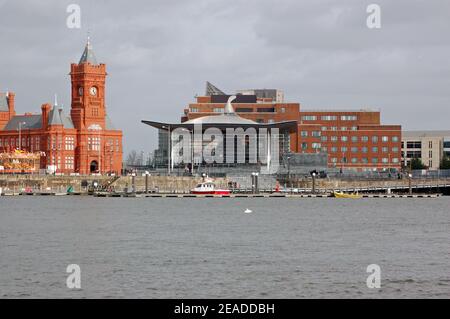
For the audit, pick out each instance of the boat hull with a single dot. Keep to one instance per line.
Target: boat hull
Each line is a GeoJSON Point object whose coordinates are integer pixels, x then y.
{"type": "Point", "coordinates": [343, 195]}
{"type": "Point", "coordinates": [213, 192]}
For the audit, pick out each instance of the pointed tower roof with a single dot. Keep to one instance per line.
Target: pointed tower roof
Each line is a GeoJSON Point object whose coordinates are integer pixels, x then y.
{"type": "Point", "coordinates": [88, 54]}
{"type": "Point", "coordinates": [212, 90]}
{"type": "Point", "coordinates": [57, 117]}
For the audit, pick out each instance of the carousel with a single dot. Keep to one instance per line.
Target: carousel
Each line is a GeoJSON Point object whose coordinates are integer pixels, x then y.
{"type": "Point", "coordinates": [19, 161]}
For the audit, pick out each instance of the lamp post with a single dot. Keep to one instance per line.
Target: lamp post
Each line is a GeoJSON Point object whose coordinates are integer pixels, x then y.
{"type": "Point", "coordinates": [409, 183]}
{"type": "Point", "coordinates": [255, 182]}
{"type": "Point", "coordinates": [314, 182]}
{"type": "Point", "coordinates": [20, 134]}
{"type": "Point", "coordinates": [289, 171]}
{"type": "Point", "coordinates": [146, 181]}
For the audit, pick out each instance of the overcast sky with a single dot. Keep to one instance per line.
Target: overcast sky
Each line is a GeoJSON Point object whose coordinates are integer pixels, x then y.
{"type": "Point", "coordinates": [160, 53]}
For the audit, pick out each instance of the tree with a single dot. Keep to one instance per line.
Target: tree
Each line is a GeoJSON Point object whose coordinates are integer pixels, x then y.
{"type": "Point", "coordinates": [416, 163]}
{"type": "Point", "coordinates": [445, 163]}
{"type": "Point", "coordinates": [132, 158]}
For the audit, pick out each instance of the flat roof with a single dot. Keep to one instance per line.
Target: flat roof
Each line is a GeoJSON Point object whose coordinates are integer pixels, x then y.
{"type": "Point", "coordinates": [426, 133]}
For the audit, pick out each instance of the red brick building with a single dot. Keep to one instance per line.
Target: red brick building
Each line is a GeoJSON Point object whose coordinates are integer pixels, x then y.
{"type": "Point", "coordinates": [84, 142]}
{"type": "Point", "coordinates": [352, 139]}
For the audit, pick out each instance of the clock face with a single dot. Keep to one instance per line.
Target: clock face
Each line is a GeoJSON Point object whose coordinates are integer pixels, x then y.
{"type": "Point", "coordinates": [93, 90]}
{"type": "Point", "coordinates": [80, 90]}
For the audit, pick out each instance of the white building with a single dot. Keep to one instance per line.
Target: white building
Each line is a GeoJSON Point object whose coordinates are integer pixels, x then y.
{"type": "Point", "coordinates": [429, 146]}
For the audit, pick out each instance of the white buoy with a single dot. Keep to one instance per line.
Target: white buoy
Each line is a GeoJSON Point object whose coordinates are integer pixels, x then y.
{"type": "Point", "coordinates": [248, 211]}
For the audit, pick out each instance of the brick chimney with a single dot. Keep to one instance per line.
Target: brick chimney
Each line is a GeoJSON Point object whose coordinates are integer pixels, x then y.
{"type": "Point", "coordinates": [45, 111]}
{"type": "Point", "coordinates": [11, 104]}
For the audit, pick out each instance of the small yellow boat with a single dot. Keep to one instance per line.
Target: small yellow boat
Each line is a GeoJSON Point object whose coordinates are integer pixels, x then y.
{"type": "Point", "coordinates": [345, 195]}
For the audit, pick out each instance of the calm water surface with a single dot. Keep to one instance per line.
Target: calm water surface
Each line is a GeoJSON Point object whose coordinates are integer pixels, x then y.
{"type": "Point", "coordinates": [208, 248]}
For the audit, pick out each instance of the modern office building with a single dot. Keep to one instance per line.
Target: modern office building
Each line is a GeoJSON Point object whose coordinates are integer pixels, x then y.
{"type": "Point", "coordinates": [226, 139]}
{"type": "Point", "coordinates": [428, 146]}
{"type": "Point", "coordinates": [352, 139]}
{"type": "Point", "coordinates": [84, 142]}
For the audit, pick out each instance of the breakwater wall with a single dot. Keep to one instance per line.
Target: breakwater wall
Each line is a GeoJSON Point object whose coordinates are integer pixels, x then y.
{"type": "Point", "coordinates": [177, 184]}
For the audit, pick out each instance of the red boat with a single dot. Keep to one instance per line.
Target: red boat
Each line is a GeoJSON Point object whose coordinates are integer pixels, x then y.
{"type": "Point", "coordinates": [209, 188]}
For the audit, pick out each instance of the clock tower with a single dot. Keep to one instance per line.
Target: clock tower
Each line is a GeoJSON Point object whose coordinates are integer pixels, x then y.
{"type": "Point", "coordinates": [99, 144]}
{"type": "Point", "coordinates": [88, 91]}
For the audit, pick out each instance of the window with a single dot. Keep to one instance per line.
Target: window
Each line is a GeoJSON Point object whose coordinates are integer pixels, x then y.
{"type": "Point", "coordinates": [394, 138]}
{"type": "Point", "coordinates": [218, 110]}
{"type": "Point", "coordinates": [430, 154]}
{"type": "Point", "coordinates": [324, 128]}
{"type": "Point", "coordinates": [316, 146]}
{"type": "Point", "coordinates": [413, 154]}
{"type": "Point", "coordinates": [354, 160]}
{"type": "Point", "coordinates": [385, 149]}
{"type": "Point", "coordinates": [333, 160]}
{"type": "Point", "coordinates": [304, 133]}
{"type": "Point", "coordinates": [344, 128]}
{"type": "Point", "coordinates": [283, 110]}
{"type": "Point", "coordinates": [374, 160]}
{"type": "Point", "coordinates": [309, 118]}
{"type": "Point", "coordinates": [385, 139]}
{"type": "Point", "coordinates": [395, 160]}
{"type": "Point", "coordinates": [334, 149]}
{"type": "Point", "coordinates": [354, 149]}
{"type": "Point", "coordinates": [364, 138]}
{"type": "Point", "coordinates": [348, 118]}
{"type": "Point", "coordinates": [329, 118]}
{"type": "Point", "coordinates": [344, 138]}
{"type": "Point", "coordinates": [324, 138]}
{"type": "Point", "coordinates": [266, 110]}
{"type": "Point", "coordinates": [374, 149]}
{"type": "Point", "coordinates": [94, 143]}
{"type": "Point", "coordinates": [334, 128]}
{"type": "Point", "coordinates": [244, 110]}
{"type": "Point", "coordinates": [374, 139]}
{"type": "Point", "coordinates": [364, 149]}
{"type": "Point", "coordinates": [365, 160]}
{"type": "Point", "coordinates": [344, 149]}
{"type": "Point", "coordinates": [430, 144]}
{"type": "Point", "coordinates": [316, 133]}
{"type": "Point", "coordinates": [270, 121]}
{"type": "Point", "coordinates": [414, 144]}
{"type": "Point", "coordinates": [69, 164]}
{"type": "Point", "coordinates": [354, 139]}
{"type": "Point", "coordinates": [194, 109]}
{"type": "Point", "coordinates": [384, 160]}
{"type": "Point", "coordinates": [334, 138]}
{"type": "Point", "coordinates": [395, 150]}
{"type": "Point", "coordinates": [70, 143]}
{"type": "Point", "coordinates": [117, 145]}
{"type": "Point", "coordinates": [354, 128]}
{"type": "Point", "coordinates": [304, 146]}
